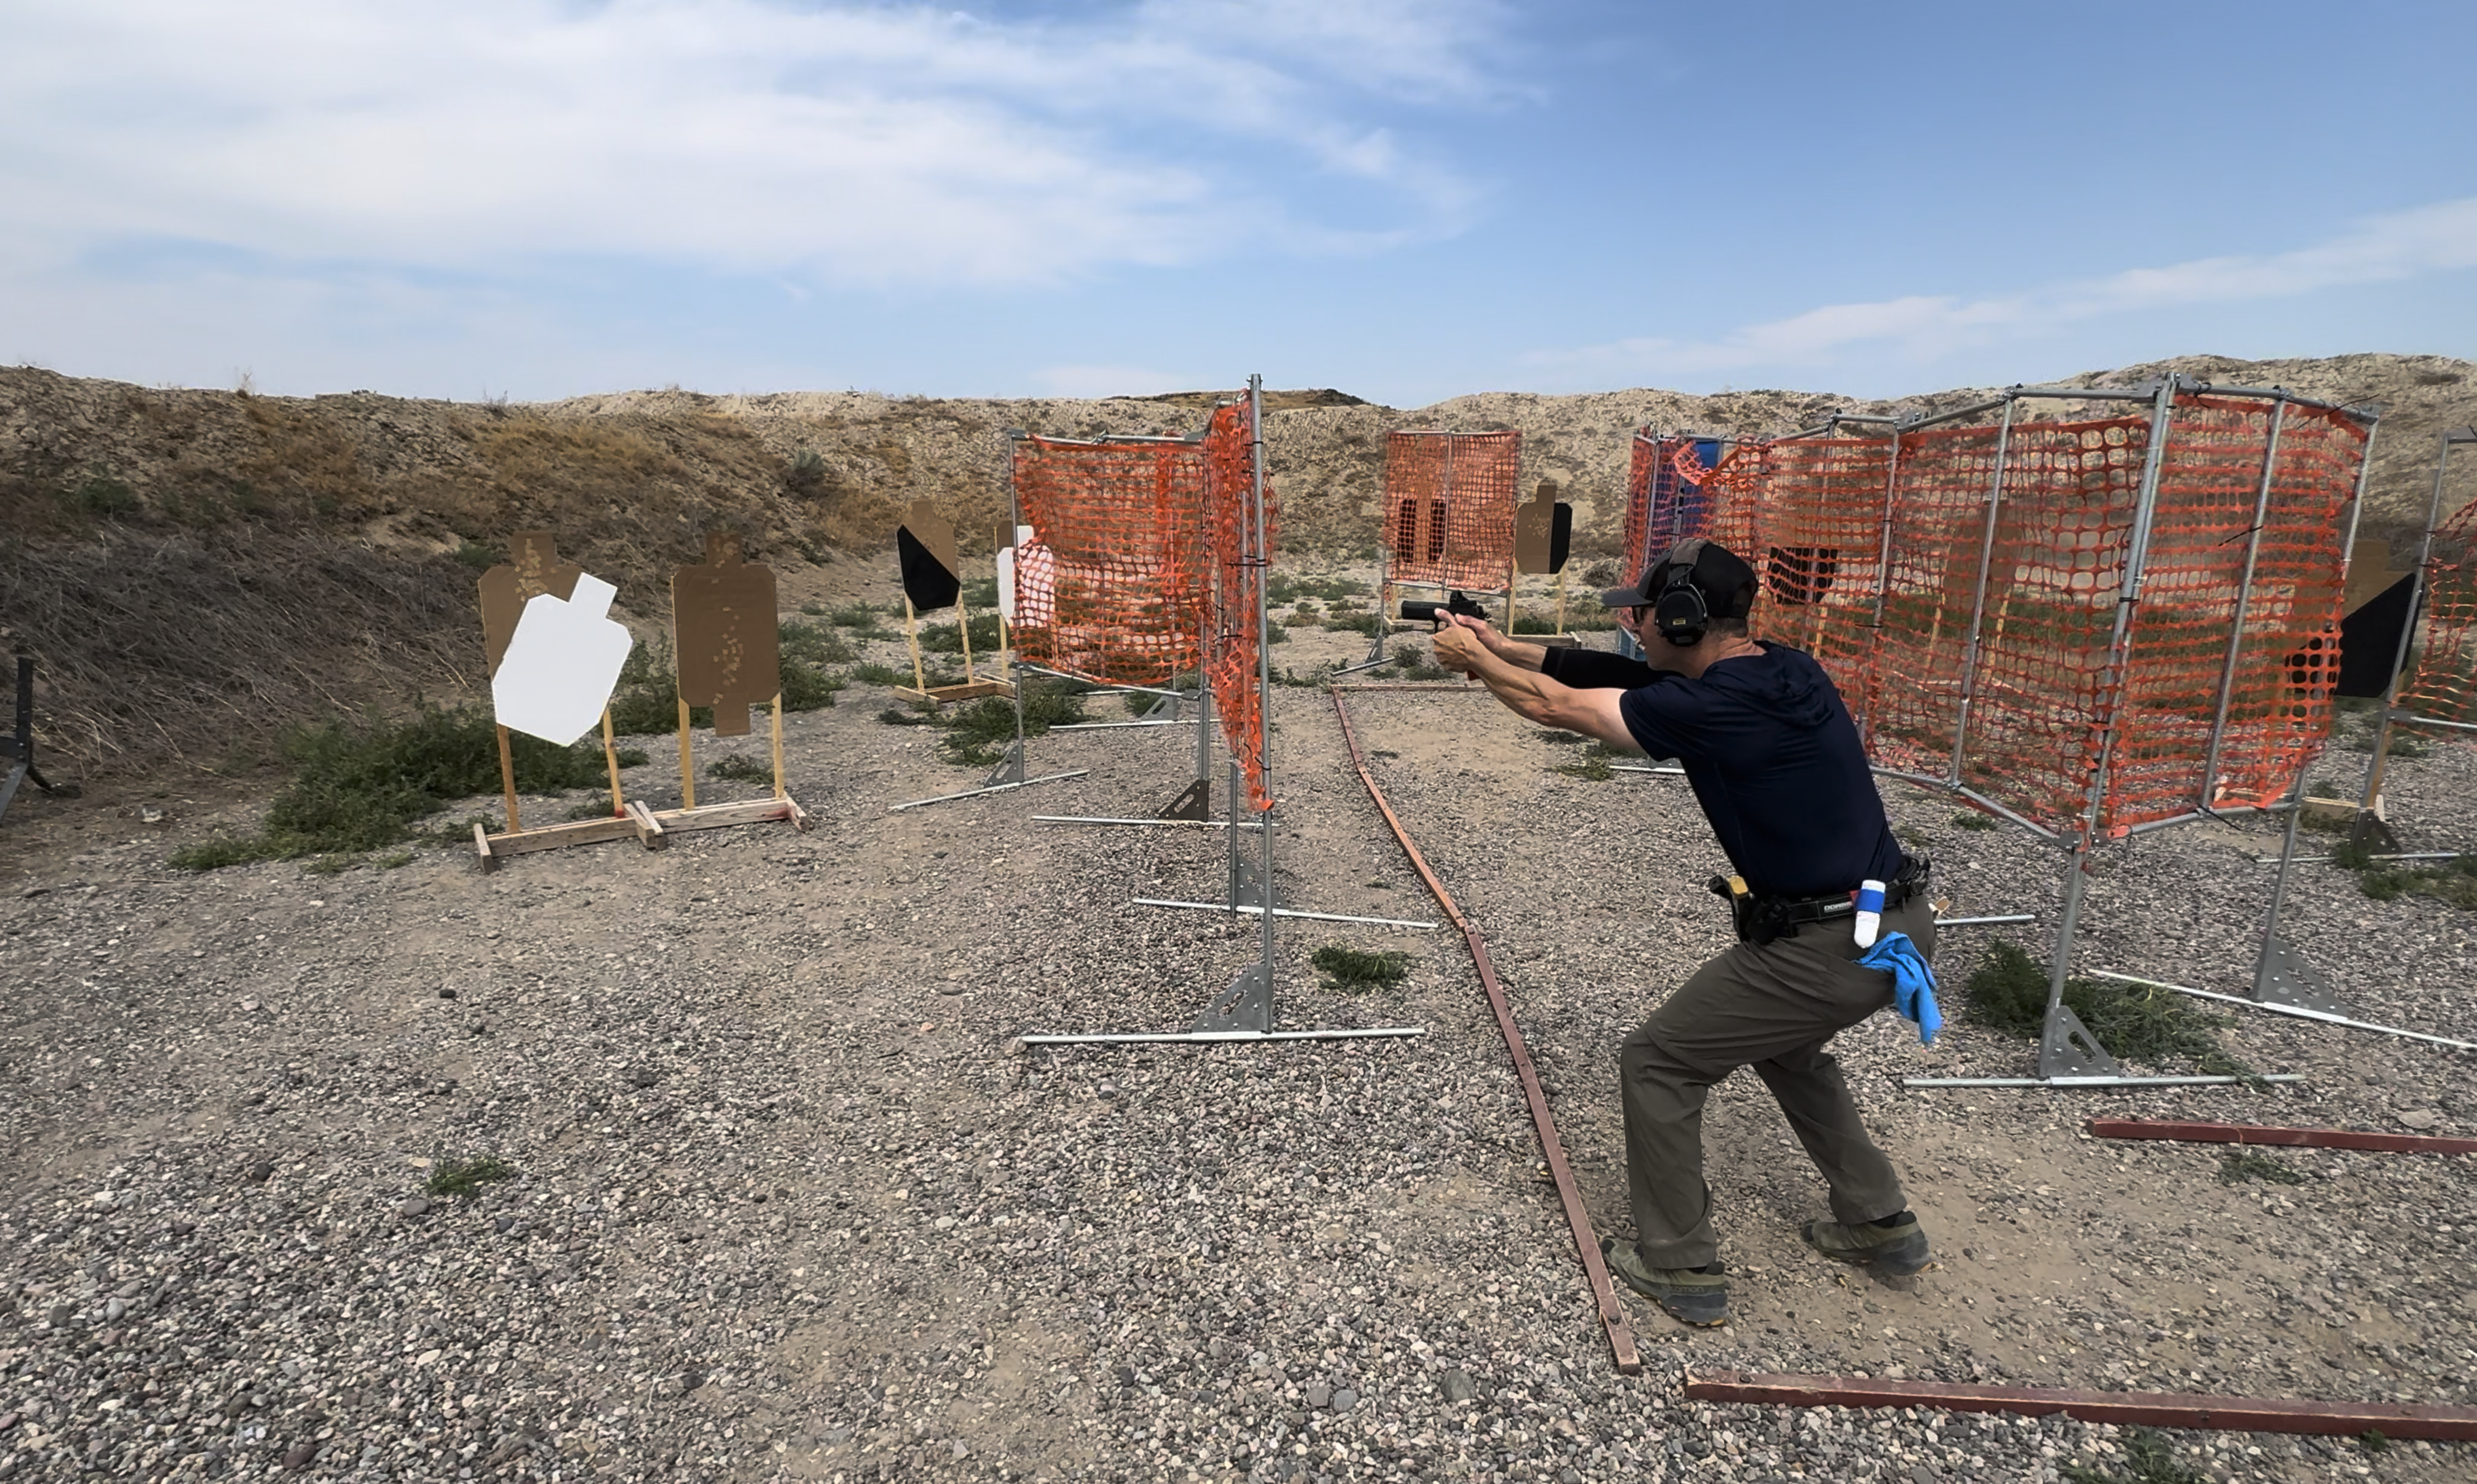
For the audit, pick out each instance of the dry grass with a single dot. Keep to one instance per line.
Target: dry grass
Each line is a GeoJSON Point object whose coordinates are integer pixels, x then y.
{"type": "Point", "coordinates": [205, 647]}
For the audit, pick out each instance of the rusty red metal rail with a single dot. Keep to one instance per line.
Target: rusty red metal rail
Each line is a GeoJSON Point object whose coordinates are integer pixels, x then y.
{"type": "Point", "coordinates": [1586, 1243]}
{"type": "Point", "coordinates": [2154, 1409]}
{"type": "Point", "coordinates": [2293, 1138]}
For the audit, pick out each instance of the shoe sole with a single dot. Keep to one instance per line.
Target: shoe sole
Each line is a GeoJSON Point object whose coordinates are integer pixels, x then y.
{"type": "Point", "coordinates": [1883, 1259]}
{"type": "Point", "coordinates": [1702, 1311]}
{"type": "Point", "coordinates": [1698, 1321]}
{"type": "Point", "coordinates": [1702, 1314]}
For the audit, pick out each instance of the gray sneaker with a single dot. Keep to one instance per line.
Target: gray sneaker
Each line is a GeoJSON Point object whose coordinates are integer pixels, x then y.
{"type": "Point", "coordinates": [1898, 1249]}
{"type": "Point", "coordinates": [1690, 1295]}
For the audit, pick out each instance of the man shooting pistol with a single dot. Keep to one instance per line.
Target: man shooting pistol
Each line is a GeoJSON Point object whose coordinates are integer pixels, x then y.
{"type": "Point", "coordinates": [1832, 919]}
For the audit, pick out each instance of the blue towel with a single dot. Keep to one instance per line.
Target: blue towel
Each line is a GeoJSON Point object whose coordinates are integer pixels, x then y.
{"type": "Point", "coordinates": [1913, 981]}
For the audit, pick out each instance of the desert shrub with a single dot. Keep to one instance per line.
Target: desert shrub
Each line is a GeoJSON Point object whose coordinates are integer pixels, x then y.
{"type": "Point", "coordinates": [356, 787]}
{"type": "Point", "coordinates": [2151, 1457]}
{"type": "Point", "coordinates": [105, 496]}
{"type": "Point", "coordinates": [2239, 1165]}
{"type": "Point", "coordinates": [940, 637]}
{"type": "Point", "coordinates": [2008, 993]}
{"type": "Point", "coordinates": [1352, 970]}
{"type": "Point", "coordinates": [465, 1177]}
{"type": "Point", "coordinates": [980, 733]}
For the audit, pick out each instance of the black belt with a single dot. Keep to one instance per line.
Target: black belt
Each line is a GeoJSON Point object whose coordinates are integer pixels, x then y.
{"type": "Point", "coordinates": [1761, 920]}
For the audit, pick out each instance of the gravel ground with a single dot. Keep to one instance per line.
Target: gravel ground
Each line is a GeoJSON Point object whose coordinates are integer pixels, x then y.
{"type": "Point", "coordinates": [785, 1204]}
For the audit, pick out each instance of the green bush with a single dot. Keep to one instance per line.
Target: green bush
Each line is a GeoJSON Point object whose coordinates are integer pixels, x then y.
{"type": "Point", "coordinates": [1594, 765]}
{"type": "Point", "coordinates": [358, 787]}
{"type": "Point", "coordinates": [2008, 994]}
{"type": "Point", "coordinates": [2453, 882]}
{"type": "Point", "coordinates": [2152, 1457]}
{"type": "Point", "coordinates": [2240, 1165]}
{"type": "Point", "coordinates": [858, 617]}
{"type": "Point", "coordinates": [941, 638]}
{"type": "Point", "coordinates": [979, 734]}
{"type": "Point", "coordinates": [101, 494]}
{"type": "Point", "coordinates": [807, 644]}
{"type": "Point", "coordinates": [1349, 970]}
{"type": "Point", "coordinates": [465, 1177]}
{"type": "Point", "coordinates": [1282, 589]}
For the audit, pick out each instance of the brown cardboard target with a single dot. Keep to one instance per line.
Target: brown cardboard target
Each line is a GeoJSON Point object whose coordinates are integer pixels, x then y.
{"type": "Point", "coordinates": [930, 571]}
{"type": "Point", "coordinates": [533, 567]}
{"type": "Point", "coordinates": [726, 635]}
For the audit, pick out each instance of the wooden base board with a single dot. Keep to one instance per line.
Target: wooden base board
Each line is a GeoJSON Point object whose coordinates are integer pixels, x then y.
{"type": "Point", "coordinates": [2340, 811]}
{"type": "Point", "coordinates": [649, 828]}
{"type": "Point", "coordinates": [969, 690]}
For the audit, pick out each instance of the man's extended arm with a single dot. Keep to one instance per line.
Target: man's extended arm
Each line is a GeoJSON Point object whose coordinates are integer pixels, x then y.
{"type": "Point", "coordinates": [1513, 652]}
{"type": "Point", "coordinates": [1533, 696]}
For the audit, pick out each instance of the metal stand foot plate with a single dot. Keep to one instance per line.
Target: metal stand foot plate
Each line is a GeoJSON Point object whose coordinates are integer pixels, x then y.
{"type": "Point", "coordinates": [2369, 831]}
{"type": "Point", "coordinates": [1009, 768]}
{"type": "Point", "coordinates": [1249, 886]}
{"type": "Point", "coordinates": [1247, 1005]}
{"type": "Point", "coordinates": [1195, 802]}
{"type": "Point", "coordinates": [2066, 1048]}
{"type": "Point", "coordinates": [2284, 976]}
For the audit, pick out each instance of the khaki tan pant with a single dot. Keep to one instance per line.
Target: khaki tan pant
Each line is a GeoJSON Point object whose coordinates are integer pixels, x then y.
{"type": "Point", "coordinates": [1773, 1009]}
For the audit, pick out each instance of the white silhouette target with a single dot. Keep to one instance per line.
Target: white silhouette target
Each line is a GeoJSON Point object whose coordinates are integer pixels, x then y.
{"type": "Point", "coordinates": [562, 664]}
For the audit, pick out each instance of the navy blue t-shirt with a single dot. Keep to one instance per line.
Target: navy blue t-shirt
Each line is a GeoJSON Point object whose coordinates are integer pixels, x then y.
{"type": "Point", "coordinates": [1773, 758]}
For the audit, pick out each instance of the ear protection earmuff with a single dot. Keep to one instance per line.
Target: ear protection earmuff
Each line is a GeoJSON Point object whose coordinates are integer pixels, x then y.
{"type": "Point", "coordinates": [1679, 613]}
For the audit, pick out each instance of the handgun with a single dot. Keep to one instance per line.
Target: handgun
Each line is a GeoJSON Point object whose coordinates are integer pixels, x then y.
{"type": "Point", "coordinates": [1433, 614]}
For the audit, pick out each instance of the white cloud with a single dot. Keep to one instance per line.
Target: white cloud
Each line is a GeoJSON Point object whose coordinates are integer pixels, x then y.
{"type": "Point", "coordinates": [2434, 238]}
{"type": "Point", "coordinates": [853, 144]}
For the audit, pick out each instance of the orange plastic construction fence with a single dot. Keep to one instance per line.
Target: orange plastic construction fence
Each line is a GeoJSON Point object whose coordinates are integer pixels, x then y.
{"type": "Point", "coordinates": [1116, 583]}
{"type": "Point", "coordinates": [1665, 502]}
{"type": "Point", "coordinates": [1449, 501]}
{"type": "Point", "coordinates": [2440, 682]}
{"type": "Point", "coordinates": [1240, 568]}
{"type": "Point", "coordinates": [1971, 623]}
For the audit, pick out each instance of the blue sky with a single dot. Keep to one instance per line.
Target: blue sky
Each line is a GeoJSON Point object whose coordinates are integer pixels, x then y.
{"type": "Point", "coordinates": [540, 198]}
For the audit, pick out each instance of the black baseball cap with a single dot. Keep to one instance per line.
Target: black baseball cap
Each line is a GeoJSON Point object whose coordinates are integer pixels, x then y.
{"type": "Point", "coordinates": [1726, 581]}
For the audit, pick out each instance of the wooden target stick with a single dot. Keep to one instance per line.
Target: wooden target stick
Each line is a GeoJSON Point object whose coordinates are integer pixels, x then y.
{"type": "Point", "coordinates": [780, 792]}
{"type": "Point", "coordinates": [508, 781]}
{"type": "Point", "coordinates": [611, 755]}
{"type": "Point", "coordinates": [912, 636]}
{"type": "Point", "coordinates": [687, 763]}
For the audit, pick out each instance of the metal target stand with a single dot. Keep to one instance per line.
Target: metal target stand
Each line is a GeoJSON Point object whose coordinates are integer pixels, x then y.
{"type": "Point", "coordinates": [1194, 803]}
{"type": "Point", "coordinates": [17, 747]}
{"type": "Point", "coordinates": [2285, 982]}
{"type": "Point", "coordinates": [2069, 1056]}
{"type": "Point", "coordinates": [1245, 1012]}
